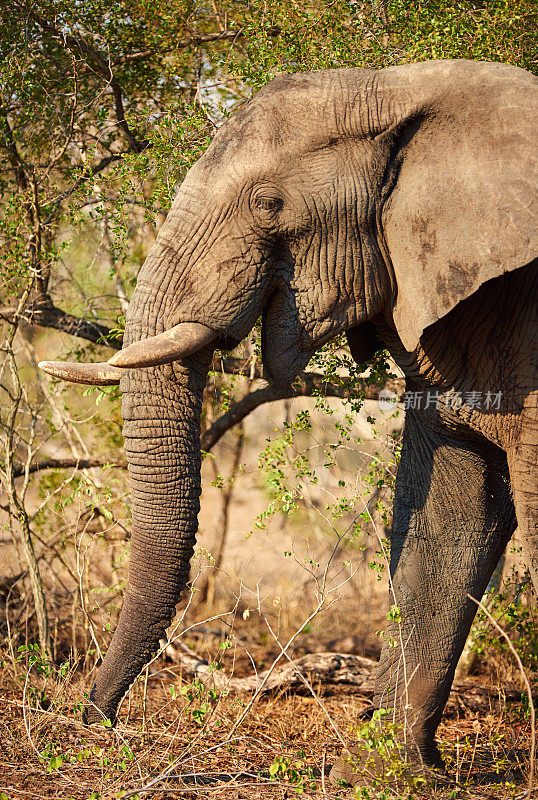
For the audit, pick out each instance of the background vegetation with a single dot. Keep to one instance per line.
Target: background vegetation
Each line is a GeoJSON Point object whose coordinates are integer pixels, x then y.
{"type": "Point", "coordinates": [103, 108]}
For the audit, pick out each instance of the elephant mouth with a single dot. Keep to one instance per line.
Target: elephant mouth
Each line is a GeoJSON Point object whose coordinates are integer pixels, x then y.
{"type": "Point", "coordinates": [226, 341]}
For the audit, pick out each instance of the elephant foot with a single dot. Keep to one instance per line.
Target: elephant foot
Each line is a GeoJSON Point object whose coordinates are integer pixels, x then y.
{"type": "Point", "coordinates": [93, 715]}
{"type": "Point", "coordinates": [361, 766]}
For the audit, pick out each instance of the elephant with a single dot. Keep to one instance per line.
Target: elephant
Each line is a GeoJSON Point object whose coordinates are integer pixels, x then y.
{"type": "Point", "coordinates": [397, 206]}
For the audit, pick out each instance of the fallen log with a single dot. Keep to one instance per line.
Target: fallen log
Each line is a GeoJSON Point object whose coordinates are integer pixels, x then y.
{"type": "Point", "coordinates": [334, 668]}
{"type": "Point", "coordinates": [329, 669]}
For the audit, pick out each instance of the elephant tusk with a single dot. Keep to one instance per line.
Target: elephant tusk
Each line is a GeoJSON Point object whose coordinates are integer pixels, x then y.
{"type": "Point", "coordinates": [179, 342]}
{"type": "Point", "coordinates": [100, 374]}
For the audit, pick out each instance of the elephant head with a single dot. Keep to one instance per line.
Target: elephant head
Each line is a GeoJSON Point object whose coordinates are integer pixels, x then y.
{"type": "Point", "coordinates": [331, 199]}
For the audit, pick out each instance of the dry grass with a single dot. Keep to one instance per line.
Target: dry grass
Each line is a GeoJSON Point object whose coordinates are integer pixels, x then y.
{"type": "Point", "coordinates": [160, 742]}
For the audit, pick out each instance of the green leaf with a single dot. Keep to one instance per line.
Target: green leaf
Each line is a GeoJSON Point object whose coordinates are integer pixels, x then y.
{"type": "Point", "coordinates": [56, 762]}
{"type": "Point", "coordinates": [273, 769]}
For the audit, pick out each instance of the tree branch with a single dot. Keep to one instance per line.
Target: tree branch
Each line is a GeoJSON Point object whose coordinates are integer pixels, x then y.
{"type": "Point", "coordinates": [102, 67]}
{"type": "Point", "coordinates": [67, 463]}
{"type": "Point", "coordinates": [194, 41]}
{"type": "Point", "coordinates": [306, 385]}
{"type": "Point", "coordinates": [13, 154]}
{"type": "Point", "coordinates": [47, 315]}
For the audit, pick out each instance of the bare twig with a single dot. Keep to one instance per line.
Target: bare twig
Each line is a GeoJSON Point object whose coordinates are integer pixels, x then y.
{"type": "Point", "coordinates": [16, 498]}
{"type": "Point", "coordinates": [206, 592]}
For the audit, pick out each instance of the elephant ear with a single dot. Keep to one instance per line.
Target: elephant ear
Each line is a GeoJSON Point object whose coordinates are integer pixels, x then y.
{"type": "Point", "coordinates": [464, 205]}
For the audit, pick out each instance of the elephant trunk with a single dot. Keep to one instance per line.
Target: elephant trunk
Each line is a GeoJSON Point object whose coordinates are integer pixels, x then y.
{"type": "Point", "coordinates": [161, 410]}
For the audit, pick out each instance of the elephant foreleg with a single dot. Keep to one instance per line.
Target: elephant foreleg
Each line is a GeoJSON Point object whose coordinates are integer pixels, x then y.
{"type": "Point", "coordinates": [453, 516]}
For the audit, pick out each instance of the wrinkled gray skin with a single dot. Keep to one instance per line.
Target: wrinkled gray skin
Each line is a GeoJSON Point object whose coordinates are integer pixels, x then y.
{"type": "Point", "coordinates": [398, 206]}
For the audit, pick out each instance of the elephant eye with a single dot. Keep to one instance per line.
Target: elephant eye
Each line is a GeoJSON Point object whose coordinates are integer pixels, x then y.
{"type": "Point", "coordinates": [267, 204]}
